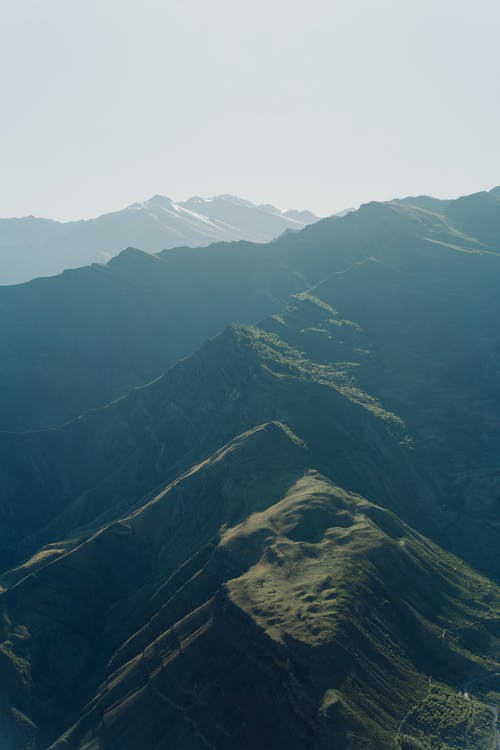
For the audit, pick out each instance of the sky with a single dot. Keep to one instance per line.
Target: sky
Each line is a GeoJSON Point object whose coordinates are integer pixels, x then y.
{"type": "Point", "coordinates": [311, 104]}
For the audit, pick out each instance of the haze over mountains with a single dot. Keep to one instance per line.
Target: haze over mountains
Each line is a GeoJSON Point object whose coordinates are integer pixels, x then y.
{"type": "Point", "coordinates": [31, 246]}
{"type": "Point", "coordinates": [249, 492]}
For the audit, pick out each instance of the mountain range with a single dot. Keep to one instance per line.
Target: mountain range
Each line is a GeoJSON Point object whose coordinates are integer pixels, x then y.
{"type": "Point", "coordinates": [249, 492]}
{"type": "Point", "coordinates": [32, 247]}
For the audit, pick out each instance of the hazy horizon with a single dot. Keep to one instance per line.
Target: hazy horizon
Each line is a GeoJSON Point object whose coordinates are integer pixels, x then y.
{"type": "Point", "coordinates": [316, 106]}
{"type": "Point", "coordinates": [114, 209]}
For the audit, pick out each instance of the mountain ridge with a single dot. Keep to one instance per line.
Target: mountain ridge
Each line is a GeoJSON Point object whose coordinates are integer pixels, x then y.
{"type": "Point", "coordinates": [189, 295]}
{"type": "Point", "coordinates": [237, 583]}
{"type": "Point", "coordinates": [32, 246]}
{"type": "Point", "coordinates": [286, 535]}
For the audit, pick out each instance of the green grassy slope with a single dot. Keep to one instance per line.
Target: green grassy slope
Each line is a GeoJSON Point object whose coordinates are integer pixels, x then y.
{"type": "Point", "coordinates": [253, 600]}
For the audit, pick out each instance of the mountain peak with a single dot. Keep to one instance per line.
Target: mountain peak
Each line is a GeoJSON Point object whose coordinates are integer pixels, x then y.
{"type": "Point", "coordinates": [32, 247]}
{"type": "Point", "coordinates": [154, 201]}
{"type": "Point", "coordinates": [161, 200]}
{"type": "Point", "coordinates": [131, 255]}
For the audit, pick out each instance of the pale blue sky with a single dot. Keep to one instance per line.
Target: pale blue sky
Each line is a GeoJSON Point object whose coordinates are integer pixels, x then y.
{"type": "Point", "coordinates": [317, 104]}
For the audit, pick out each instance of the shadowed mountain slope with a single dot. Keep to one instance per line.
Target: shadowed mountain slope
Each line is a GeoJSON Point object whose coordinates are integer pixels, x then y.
{"type": "Point", "coordinates": [77, 341]}
{"type": "Point", "coordinates": [244, 377]}
{"type": "Point", "coordinates": [250, 600]}
{"type": "Point", "coordinates": [415, 331]}
{"type": "Point", "coordinates": [277, 541]}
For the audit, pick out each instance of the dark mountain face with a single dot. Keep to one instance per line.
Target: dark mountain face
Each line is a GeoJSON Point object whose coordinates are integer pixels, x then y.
{"type": "Point", "coordinates": [289, 539]}
{"type": "Point", "coordinates": [31, 247]}
{"type": "Point", "coordinates": [80, 340]}
{"type": "Point", "coordinates": [128, 449]}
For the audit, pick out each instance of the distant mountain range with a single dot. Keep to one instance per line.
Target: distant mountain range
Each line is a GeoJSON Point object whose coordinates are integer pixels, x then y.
{"type": "Point", "coordinates": [31, 247]}
{"type": "Point", "coordinates": [249, 493]}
